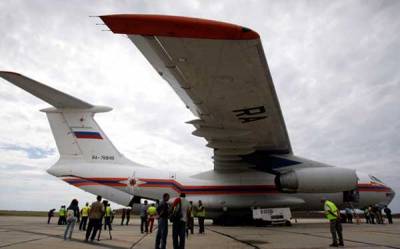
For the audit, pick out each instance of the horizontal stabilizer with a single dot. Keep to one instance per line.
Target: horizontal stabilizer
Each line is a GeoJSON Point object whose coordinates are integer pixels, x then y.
{"type": "Point", "coordinates": [50, 95]}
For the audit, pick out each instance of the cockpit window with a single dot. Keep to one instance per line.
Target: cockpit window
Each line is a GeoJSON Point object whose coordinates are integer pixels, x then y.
{"type": "Point", "coordinates": [373, 178]}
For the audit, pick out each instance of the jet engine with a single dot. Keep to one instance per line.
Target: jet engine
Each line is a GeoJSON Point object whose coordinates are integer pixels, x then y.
{"type": "Point", "coordinates": [317, 180]}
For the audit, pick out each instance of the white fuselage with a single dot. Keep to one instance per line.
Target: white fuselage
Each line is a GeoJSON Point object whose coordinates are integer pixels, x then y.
{"type": "Point", "coordinates": [235, 190]}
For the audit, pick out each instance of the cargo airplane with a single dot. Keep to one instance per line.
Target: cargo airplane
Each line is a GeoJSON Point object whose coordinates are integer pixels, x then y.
{"type": "Point", "coordinates": [220, 72]}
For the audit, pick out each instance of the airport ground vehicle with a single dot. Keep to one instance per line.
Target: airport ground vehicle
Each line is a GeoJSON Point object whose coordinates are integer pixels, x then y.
{"type": "Point", "coordinates": [273, 216]}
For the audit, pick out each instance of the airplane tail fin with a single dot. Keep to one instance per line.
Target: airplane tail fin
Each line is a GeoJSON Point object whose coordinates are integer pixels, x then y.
{"type": "Point", "coordinates": [77, 134]}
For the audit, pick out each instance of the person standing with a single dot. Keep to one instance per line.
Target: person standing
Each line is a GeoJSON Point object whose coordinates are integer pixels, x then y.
{"type": "Point", "coordinates": [61, 215]}
{"type": "Point", "coordinates": [179, 218]}
{"type": "Point", "coordinates": [349, 215]}
{"type": "Point", "coordinates": [113, 212]}
{"type": "Point", "coordinates": [201, 214]}
{"type": "Point", "coordinates": [95, 214]}
{"type": "Point", "coordinates": [371, 214]}
{"type": "Point", "coordinates": [366, 216]}
{"type": "Point", "coordinates": [375, 211]}
{"type": "Point", "coordinates": [332, 213]}
{"type": "Point", "coordinates": [105, 203]}
{"type": "Point", "coordinates": [72, 217]}
{"type": "Point", "coordinates": [388, 213]}
{"type": "Point", "coordinates": [379, 214]}
{"type": "Point", "coordinates": [151, 213]}
{"type": "Point", "coordinates": [107, 220]}
{"type": "Point", "coordinates": [50, 214]}
{"type": "Point", "coordinates": [163, 214]}
{"type": "Point", "coordinates": [107, 217]}
{"type": "Point", "coordinates": [123, 216]}
{"type": "Point", "coordinates": [128, 215]}
{"type": "Point", "coordinates": [143, 218]}
{"type": "Point", "coordinates": [190, 222]}
{"type": "Point", "coordinates": [84, 215]}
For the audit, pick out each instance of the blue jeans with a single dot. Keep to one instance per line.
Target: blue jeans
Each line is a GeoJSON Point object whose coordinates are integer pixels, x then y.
{"type": "Point", "coordinates": [162, 233]}
{"type": "Point", "coordinates": [178, 234]}
{"type": "Point", "coordinates": [70, 228]}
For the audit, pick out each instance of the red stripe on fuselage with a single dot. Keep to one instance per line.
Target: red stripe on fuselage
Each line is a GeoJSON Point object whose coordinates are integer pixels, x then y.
{"type": "Point", "coordinates": [202, 189]}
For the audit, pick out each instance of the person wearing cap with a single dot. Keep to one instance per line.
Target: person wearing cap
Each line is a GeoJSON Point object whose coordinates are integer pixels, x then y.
{"type": "Point", "coordinates": [332, 213]}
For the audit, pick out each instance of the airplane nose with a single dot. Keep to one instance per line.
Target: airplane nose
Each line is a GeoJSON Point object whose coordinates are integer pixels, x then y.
{"type": "Point", "coordinates": [390, 195]}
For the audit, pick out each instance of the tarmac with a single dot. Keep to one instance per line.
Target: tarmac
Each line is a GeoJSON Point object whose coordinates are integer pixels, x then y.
{"type": "Point", "coordinates": [34, 232]}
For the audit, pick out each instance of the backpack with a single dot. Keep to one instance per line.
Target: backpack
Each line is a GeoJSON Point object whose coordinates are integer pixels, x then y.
{"type": "Point", "coordinates": [70, 215]}
{"type": "Point", "coordinates": [176, 214]}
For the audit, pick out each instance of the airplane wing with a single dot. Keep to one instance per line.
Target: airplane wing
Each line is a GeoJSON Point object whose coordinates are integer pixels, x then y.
{"type": "Point", "coordinates": [220, 72]}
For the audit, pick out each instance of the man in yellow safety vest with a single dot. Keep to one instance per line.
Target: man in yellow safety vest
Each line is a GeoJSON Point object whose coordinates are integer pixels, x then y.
{"type": "Point", "coordinates": [151, 214]}
{"type": "Point", "coordinates": [332, 213]}
{"type": "Point", "coordinates": [61, 216]}
{"type": "Point", "coordinates": [84, 215]}
{"type": "Point", "coordinates": [107, 217]}
{"type": "Point", "coordinates": [201, 214]}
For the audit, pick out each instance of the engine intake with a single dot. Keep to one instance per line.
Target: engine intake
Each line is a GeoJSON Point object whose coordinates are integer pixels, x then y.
{"type": "Point", "coordinates": [317, 180]}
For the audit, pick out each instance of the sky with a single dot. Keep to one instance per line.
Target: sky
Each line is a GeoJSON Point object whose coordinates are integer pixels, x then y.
{"type": "Point", "coordinates": [334, 66]}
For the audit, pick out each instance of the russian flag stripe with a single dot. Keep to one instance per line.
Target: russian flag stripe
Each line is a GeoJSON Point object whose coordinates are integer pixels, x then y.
{"type": "Point", "coordinates": [87, 134]}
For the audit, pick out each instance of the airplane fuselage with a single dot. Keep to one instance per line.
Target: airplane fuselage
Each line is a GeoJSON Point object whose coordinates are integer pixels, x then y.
{"type": "Point", "coordinates": [228, 191]}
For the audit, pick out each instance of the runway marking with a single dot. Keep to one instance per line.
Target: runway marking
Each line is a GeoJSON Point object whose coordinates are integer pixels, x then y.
{"type": "Point", "coordinates": [328, 237]}
{"type": "Point", "coordinates": [141, 238]}
{"type": "Point", "coordinates": [234, 238]}
{"type": "Point", "coordinates": [58, 237]}
{"type": "Point", "coordinates": [22, 242]}
{"type": "Point", "coordinates": [391, 233]}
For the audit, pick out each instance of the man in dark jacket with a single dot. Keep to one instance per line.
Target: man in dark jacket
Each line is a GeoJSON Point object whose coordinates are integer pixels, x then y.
{"type": "Point", "coordinates": [388, 213]}
{"type": "Point", "coordinates": [123, 216]}
{"type": "Point", "coordinates": [128, 215]}
{"type": "Point", "coordinates": [50, 214]}
{"type": "Point", "coordinates": [163, 213]}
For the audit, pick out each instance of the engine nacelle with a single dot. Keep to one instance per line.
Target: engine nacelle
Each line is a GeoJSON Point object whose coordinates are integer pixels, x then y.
{"type": "Point", "coordinates": [317, 180]}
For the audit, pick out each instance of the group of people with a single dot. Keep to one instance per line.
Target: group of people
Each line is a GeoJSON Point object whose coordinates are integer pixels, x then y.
{"type": "Point", "coordinates": [91, 217]}
{"type": "Point", "coordinates": [332, 213]}
{"type": "Point", "coordinates": [181, 213]}
{"type": "Point", "coordinates": [373, 213]}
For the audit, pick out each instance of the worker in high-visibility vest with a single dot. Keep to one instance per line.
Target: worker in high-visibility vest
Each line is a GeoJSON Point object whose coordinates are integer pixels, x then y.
{"type": "Point", "coordinates": [107, 217]}
{"type": "Point", "coordinates": [84, 215]}
{"type": "Point", "coordinates": [190, 219]}
{"type": "Point", "coordinates": [332, 213]}
{"type": "Point", "coordinates": [151, 214]}
{"type": "Point", "coordinates": [201, 214]}
{"type": "Point", "coordinates": [61, 216]}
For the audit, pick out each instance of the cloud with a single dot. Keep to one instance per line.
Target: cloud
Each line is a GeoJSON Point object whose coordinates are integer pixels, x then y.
{"type": "Point", "coordinates": [334, 65]}
{"type": "Point", "coordinates": [31, 152]}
